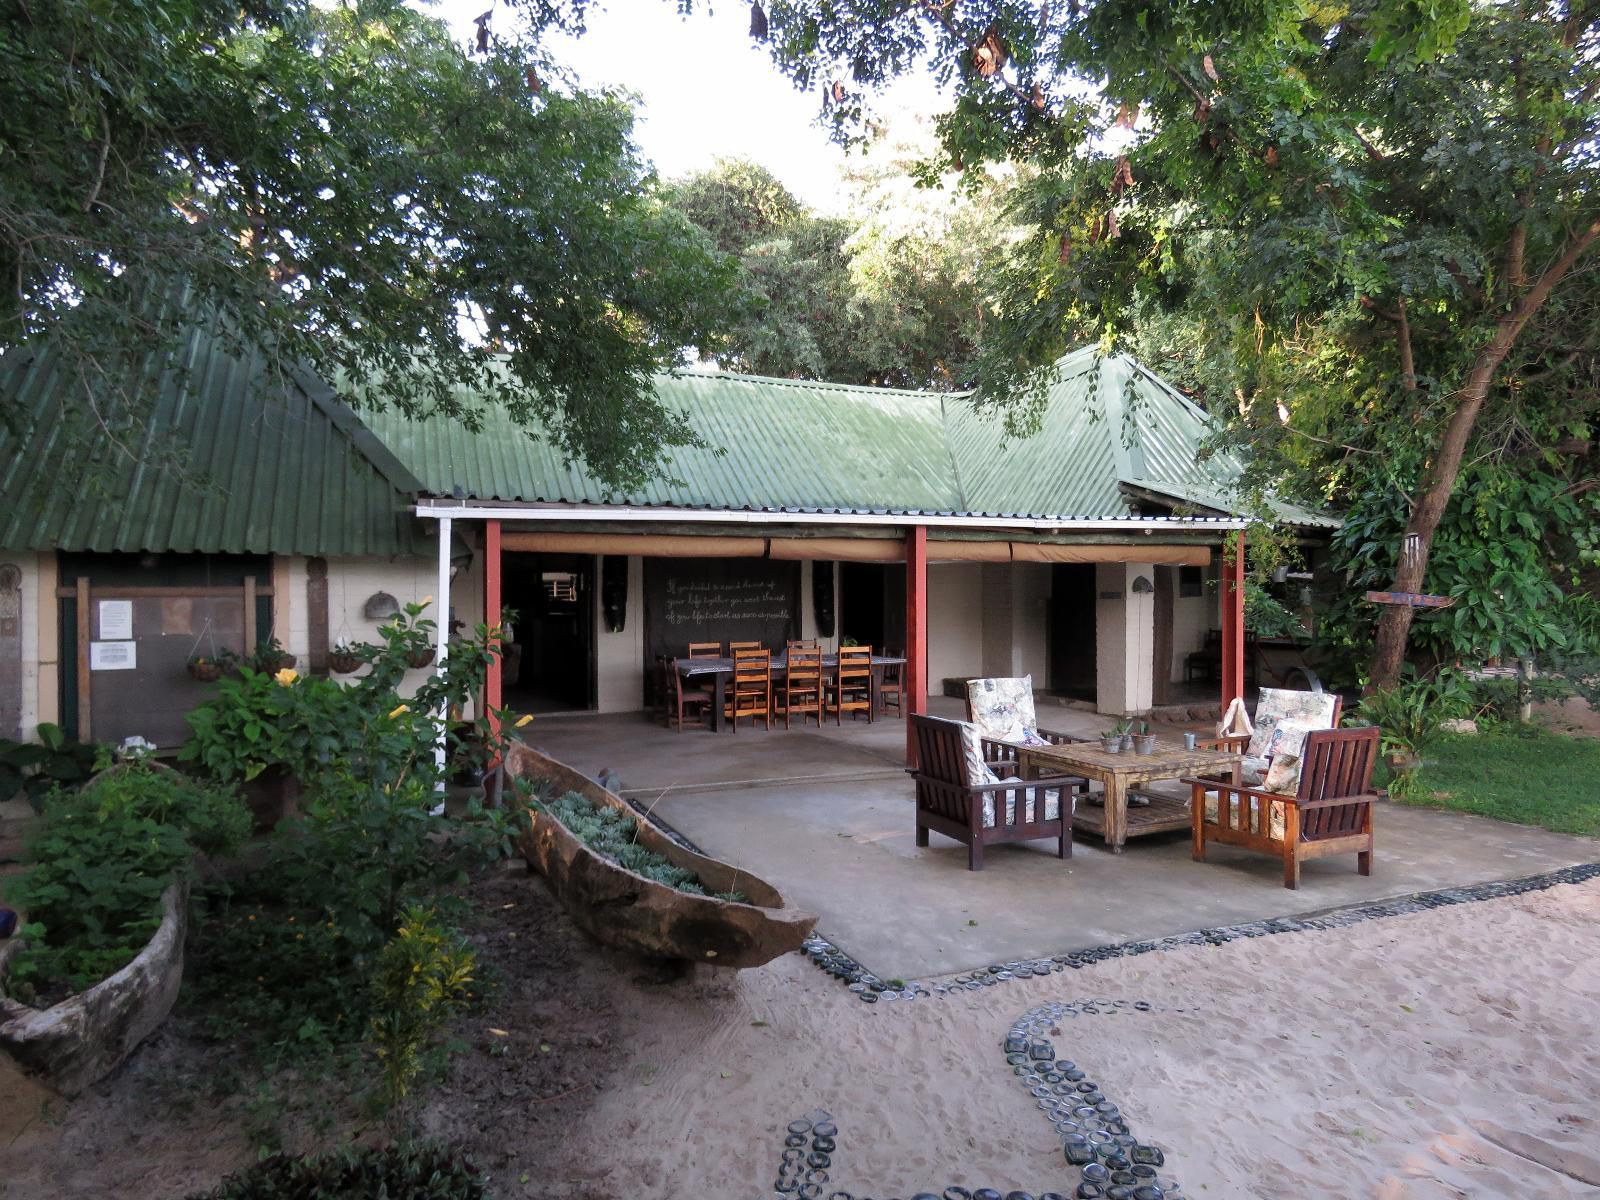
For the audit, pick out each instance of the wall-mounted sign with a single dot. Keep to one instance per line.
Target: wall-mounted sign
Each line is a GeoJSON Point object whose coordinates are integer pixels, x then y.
{"type": "Point", "coordinates": [116, 620]}
{"type": "Point", "coordinates": [113, 656]}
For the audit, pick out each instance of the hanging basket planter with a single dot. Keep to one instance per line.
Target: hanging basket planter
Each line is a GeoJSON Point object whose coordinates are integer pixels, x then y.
{"type": "Point", "coordinates": [206, 670]}
{"type": "Point", "coordinates": [270, 662]}
{"type": "Point", "coordinates": [343, 662]}
{"type": "Point", "coordinates": [420, 657]}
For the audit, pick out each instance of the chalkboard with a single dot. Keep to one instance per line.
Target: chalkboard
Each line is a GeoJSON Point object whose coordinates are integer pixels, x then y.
{"type": "Point", "coordinates": [719, 600]}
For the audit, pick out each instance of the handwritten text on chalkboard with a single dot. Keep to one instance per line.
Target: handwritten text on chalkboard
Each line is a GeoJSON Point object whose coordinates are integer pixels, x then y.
{"type": "Point", "coordinates": [699, 601]}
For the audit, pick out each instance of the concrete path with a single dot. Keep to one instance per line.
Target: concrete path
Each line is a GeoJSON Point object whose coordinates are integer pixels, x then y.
{"type": "Point", "coordinates": [838, 838]}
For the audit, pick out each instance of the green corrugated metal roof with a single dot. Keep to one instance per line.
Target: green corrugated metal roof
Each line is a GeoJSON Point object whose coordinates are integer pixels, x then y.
{"type": "Point", "coordinates": [779, 445]}
{"type": "Point", "coordinates": [230, 460]}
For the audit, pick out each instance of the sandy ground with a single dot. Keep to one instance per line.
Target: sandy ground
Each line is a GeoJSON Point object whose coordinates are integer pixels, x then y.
{"type": "Point", "coordinates": [1442, 1054]}
{"type": "Point", "coordinates": [1448, 1053]}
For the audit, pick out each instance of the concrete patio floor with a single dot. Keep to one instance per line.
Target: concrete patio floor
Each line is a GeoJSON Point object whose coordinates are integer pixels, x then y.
{"type": "Point", "coordinates": [826, 817]}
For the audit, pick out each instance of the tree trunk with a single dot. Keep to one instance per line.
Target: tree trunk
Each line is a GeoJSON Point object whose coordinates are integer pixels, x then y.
{"type": "Point", "coordinates": [1438, 484]}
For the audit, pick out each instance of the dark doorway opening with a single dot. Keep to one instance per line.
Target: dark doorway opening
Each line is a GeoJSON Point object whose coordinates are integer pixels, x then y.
{"type": "Point", "coordinates": [1070, 635]}
{"type": "Point", "coordinates": [550, 661]}
{"type": "Point", "coordinates": [872, 605]}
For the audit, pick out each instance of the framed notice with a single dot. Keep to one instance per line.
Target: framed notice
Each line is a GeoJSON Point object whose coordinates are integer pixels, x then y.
{"type": "Point", "coordinates": [116, 620]}
{"type": "Point", "coordinates": [113, 656]}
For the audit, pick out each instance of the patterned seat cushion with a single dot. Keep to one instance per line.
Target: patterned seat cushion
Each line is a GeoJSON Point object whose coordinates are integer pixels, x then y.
{"type": "Point", "coordinates": [979, 772]}
{"type": "Point", "coordinates": [1003, 710]}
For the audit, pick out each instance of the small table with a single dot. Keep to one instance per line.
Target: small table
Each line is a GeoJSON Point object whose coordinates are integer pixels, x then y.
{"type": "Point", "coordinates": [721, 670]}
{"type": "Point", "coordinates": [1116, 772]}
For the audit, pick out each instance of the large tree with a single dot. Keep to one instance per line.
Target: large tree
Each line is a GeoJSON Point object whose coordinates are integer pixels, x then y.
{"type": "Point", "coordinates": [345, 186]}
{"type": "Point", "coordinates": [891, 292]}
{"type": "Point", "coordinates": [1424, 174]}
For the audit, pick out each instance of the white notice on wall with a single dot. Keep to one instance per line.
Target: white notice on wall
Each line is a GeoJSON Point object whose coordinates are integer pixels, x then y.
{"type": "Point", "coordinates": [113, 656]}
{"type": "Point", "coordinates": [116, 620]}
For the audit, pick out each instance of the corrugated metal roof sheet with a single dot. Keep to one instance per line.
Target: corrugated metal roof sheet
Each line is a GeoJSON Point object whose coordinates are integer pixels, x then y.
{"type": "Point", "coordinates": [230, 460]}
{"type": "Point", "coordinates": [780, 445]}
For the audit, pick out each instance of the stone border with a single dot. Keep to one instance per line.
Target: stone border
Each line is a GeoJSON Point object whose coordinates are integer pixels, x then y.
{"type": "Point", "coordinates": [872, 989]}
{"type": "Point", "coordinates": [869, 987]}
{"type": "Point", "coordinates": [1103, 1156]}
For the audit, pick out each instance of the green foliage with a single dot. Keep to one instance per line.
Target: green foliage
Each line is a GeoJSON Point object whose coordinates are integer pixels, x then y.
{"type": "Point", "coordinates": [304, 933]}
{"type": "Point", "coordinates": [890, 294]}
{"type": "Point", "coordinates": [53, 762]}
{"type": "Point", "coordinates": [1515, 773]}
{"type": "Point", "coordinates": [613, 833]}
{"type": "Point", "coordinates": [1411, 713]}
{"type": "Point", "coordinates": [421, 977]}
{"type": "Point", "coordinates": [322, 178]}
{"type": "Point", "coordinates": [402, 1172]}
{"type": "Point", "coordinates": [99, 864]}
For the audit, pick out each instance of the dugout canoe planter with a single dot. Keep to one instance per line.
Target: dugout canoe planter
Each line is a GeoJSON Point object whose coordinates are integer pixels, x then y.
{"type": "Point", "coordinates": [85, 1037]}
{"type": "Point", "coordinates": [619, 908]}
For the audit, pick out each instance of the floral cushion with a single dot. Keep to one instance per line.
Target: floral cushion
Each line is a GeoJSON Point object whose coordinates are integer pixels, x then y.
{"type": "Point", "coordinates": [978, 771]}
{"type": "Point", "coordinates": [1052, 807]}
{"type": "Point", "coordinates": [1283, 776]}
{"type": "Point", "coordinates": [1003, 711]}
{"type": "Point", "coordinates": [1286, 706]}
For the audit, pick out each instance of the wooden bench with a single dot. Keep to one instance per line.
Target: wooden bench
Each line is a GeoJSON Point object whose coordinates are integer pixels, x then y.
{"type": "Point", "coordinates": [954, 784]}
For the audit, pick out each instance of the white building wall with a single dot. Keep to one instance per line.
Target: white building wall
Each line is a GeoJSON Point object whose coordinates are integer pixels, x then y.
{"type": "Point", "coordinates": [955, 622]}
{"type": "Point", "coordinates": [1124, 639]}
{"type": "Point", "coordinates": [620, 656]}
{"type": "Point", "coordinates": [1030, 621]}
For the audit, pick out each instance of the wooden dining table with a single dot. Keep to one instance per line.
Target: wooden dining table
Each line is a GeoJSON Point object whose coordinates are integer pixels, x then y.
{"type": "Point", "coordinates": [1117, 772]}
{"type": "Point", "coordinates": [721, 670]}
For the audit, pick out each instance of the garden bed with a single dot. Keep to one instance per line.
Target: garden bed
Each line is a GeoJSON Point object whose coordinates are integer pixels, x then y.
{"type": "Point", "coordinates": [626, 910]}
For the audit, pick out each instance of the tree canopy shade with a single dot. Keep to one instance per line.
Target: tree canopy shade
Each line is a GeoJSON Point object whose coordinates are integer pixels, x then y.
{"type": "Point", "coordinates": [1416, 181]}
{"type": "Point", "coordinates": [345, 187]}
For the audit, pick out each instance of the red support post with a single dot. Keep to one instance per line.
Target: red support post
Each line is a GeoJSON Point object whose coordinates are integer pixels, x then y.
{"type": "Point", "coordinates": [916, 697]}
{"type": "Point", "coordinates": [491, 616]}
{"type": "Point", "coordinates": [1232, 592]}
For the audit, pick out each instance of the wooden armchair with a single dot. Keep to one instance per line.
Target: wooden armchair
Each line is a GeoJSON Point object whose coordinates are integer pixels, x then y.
{"type": "Point", "coordinates": [1329, 812]}
{"type": "Point", "coordinates": [960, 797]}
{"type": "Point", "coordinates": [1296, 712]}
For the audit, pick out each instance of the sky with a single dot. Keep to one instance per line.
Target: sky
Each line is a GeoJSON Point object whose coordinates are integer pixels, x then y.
{"type": "Point", "coordinates": [706, 89]}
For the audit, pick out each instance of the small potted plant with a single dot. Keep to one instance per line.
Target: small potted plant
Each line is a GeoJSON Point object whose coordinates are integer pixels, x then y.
{"type": "Point", "coordinates": [1111, 741]}
{"type": "Point", "coordinates": [1144, 742]}
{"type": "Point", "coordinates": [419, 656]}
{"type": "Point", "coordinates": [344, 658]}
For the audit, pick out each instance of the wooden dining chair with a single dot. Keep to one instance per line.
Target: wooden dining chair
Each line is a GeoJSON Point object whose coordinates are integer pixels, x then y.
{"type": "Point", "coordinates": [735, 647]}
{"type": "Point", "coordinates": [686, 698]}
{"type": "Point", "coordinates": [705, 649]}
{"type": "Point", "coordinates": [750, 690]}
{"type": "Point", "coordinates": [803, 643]}
{"type": "Point", "coordinates": [850, 689]}
{"type": "Point", "coordinates": [801, 689]}
{"type": "Point", "coordinates": [892, 685]}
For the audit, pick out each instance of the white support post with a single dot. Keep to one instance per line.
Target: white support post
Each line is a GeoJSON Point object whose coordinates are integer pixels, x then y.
{"type": "Point", "coordinates": [442, 640]}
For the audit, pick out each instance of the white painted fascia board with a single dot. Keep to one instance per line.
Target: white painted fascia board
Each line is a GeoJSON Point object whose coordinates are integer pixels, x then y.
{"type": "Point", "coordinates": [467, 510]}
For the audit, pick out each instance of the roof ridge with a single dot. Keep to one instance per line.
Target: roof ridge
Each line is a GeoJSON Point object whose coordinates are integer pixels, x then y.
{"type": "Point", "coordinates": [818, 384]}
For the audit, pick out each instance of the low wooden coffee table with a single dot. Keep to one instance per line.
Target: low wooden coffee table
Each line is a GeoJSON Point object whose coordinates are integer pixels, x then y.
{"type": "Point", "coordinates": [1115, 823]}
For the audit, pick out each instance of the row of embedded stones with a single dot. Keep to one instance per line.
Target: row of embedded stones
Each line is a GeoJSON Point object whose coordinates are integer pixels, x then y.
{"type": "Point", "coordinates": [1095, 1138]}
{"type": "Point", "coordinates": [870, 988]}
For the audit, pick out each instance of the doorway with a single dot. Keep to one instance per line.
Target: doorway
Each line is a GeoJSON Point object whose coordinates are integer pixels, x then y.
{"type": "Point", "coordinates": [1070, 633]}
{"type": "Point", "coordinates": [872, 605]}
{"type": "Point", "coordinates": [550, 661]}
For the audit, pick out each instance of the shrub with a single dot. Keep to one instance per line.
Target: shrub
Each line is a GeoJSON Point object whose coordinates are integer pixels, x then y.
{"type": "Point", "coordinates": [99, 865]}
{"type": "Point", "coordinates": [422, 977]}
{"type": "Point", "coordinates": [38, 768]}
{"type": "Point", "coordinates": [424, 1172]}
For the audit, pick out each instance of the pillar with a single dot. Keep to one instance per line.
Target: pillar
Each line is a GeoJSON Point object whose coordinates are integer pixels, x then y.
{"type": "Point", "coordinates": [916, 674]}
{"type": "Point", "coordinates": [1124, 611]}
{"type": "Point", "coordinates": [492, 686]}
{"type": "Point", "coordinates": [1232, 594]}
